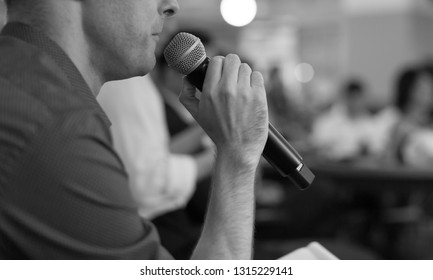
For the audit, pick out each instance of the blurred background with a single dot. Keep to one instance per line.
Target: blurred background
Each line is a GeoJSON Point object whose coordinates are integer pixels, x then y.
{"type": "Point", "coordinates": [350, 85]}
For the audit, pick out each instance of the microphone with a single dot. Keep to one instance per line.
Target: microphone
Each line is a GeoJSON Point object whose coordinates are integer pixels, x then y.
{"type": "Point", "coordinates": [186, 54]}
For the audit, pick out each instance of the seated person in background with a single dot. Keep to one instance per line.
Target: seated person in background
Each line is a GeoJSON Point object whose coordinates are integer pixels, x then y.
{"type": "Point", "coordinates": [179, 229]}
{"type": "Point", "coordinates": [141, 138]}
{"type": "Point", "coordinates": [173, 165]}
{"type": "Point", "coordinates": [412, 137]}
{"type": "Point", "coordinates": [341, 132]}
{"type": "Point", "coordinates": [161, 180]}
{"type": "Point", "coordinates": [186, 136]}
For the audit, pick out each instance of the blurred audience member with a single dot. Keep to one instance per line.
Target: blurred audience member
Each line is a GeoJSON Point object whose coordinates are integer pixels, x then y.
{"type": "Point", "coordinates": [180, 228]}
{"type": "Point", "coordinates": [162, 146]}
{"type": "Point", "coordinates": [342, 132]}
{"type": "Point", "coordinates": [411, 140]}
{"type": "Point", "coordinates": [161, 181]}
{"type": "Point", "coordinates": [174, 165]}
{"type": "Point", "coordinates": [141, 138]}
{"type": "Point", "coordinates": [187, 137]}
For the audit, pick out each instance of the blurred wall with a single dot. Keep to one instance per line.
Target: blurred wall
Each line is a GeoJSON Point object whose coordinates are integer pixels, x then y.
{"type": "Point", "coordinates": [379, 46]}
{"type": "Point", "coordinates": [372, 39]}
{"type": "Point", "coordinates": [385, 36]}
{"type": "Point", "coordinates": [206, 16]}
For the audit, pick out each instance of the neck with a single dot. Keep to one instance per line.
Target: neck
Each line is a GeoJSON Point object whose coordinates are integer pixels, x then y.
{"type": "Point", "coordinates": [61, 22]}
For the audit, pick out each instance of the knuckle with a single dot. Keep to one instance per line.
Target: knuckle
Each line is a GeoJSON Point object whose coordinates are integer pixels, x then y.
{"type": "Point", "coordinates": [227, 89]}
{"type": "Point", "coordinates": [216, 59]}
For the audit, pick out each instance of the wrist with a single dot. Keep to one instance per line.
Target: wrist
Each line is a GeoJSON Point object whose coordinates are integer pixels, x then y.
{"type": "Point", "coordinates": [238, 159]}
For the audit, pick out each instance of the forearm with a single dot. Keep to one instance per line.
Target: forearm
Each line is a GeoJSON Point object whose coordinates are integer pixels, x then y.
{"type": "Point", "coordinates": [232, 109]}
{"type": "Point", "coordinates": [228, 228]}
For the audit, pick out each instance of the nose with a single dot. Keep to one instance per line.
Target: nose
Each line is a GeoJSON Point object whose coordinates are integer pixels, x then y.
{"type": "Point", "coordinates": [169, 8]}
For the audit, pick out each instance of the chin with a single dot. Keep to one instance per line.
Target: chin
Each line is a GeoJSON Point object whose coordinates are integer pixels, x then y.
{"type": "Point", "coordinates": [144, 68]}
{"type": "Point", "coordinates": [131, 73]}
{"type": "Point", "coordinates": [138, 66]}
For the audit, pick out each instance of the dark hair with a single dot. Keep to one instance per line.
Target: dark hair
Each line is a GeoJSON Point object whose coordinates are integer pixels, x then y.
{"type": "Point", "coordinates": [405, 84]}
{"type": "Point", "coordinates": [404, 88]}
{"type": "Point", "coordinates": [353, 87]}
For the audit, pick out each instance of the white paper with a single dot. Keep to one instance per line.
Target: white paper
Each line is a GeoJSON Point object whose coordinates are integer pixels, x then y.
{"type": "Point", "coordinates": [313, 251]}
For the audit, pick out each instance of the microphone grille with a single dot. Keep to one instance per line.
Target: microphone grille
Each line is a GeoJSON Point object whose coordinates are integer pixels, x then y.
{"type": "Point", "coordinates": [184, 53]}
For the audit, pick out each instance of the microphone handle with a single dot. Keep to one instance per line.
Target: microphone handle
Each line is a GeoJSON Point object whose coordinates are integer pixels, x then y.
{"type": "Point", "coordinates": [196, 77]}
{"type": "Point", "coordinates": [278, 152]}
{"type": "Point", "coordinates": [286, 160]}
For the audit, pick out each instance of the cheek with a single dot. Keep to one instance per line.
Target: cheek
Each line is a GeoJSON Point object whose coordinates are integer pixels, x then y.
{"type": "Point", "coordinates": [119, 32]}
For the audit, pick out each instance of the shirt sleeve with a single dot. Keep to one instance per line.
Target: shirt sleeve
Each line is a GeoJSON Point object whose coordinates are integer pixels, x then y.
{"type": "Point", "coordinates": [160, 181]}
{"type": "Point", "coordinates": [69, 199]}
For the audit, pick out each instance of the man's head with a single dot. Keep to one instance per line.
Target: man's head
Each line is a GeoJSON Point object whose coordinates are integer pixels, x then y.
{"type": "Point", "coordinates": [116, 38]}
{"type": "Point", "coordinates": [414, 91]}
{"type": "Point", "coordinates": [355, 97]}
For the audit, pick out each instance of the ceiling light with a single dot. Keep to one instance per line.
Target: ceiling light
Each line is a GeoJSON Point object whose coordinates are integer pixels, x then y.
{"type": "Point", "coordinates": [238, 12]}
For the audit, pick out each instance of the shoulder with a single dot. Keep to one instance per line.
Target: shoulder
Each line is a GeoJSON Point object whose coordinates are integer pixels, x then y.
{"type": "Point", "coordinates": [38, 102]}
{"type": "Point", "coordinates": [34, 87]}
{"type": "Point", "coordinates": [27, 67]}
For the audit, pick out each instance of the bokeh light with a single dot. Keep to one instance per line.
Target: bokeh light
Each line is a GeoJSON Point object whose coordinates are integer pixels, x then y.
{"type": "Point", "coordinates": [304, 72]}
{"type": "Point", "coordinates": [238, 12]}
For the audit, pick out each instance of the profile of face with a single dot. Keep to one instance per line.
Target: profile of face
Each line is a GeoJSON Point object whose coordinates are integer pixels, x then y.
{"type": "Point", "coordinates": [123, 34]}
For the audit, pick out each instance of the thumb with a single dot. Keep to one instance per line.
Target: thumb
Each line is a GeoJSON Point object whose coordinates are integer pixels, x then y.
{"type": "Point", "coordinates": [188, 99]}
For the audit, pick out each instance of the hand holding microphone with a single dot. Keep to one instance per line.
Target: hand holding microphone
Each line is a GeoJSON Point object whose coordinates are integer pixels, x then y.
{"type": "Point", "coordinates": [235, 95]}
{"type": "Point", "coordinates": [228, 86]}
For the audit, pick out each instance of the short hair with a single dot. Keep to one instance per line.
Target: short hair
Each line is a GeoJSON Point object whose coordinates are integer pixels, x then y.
{"type": "Point", "coordinates": [406, 82]}
{"type": "Point", "coordinates": [353, 87]}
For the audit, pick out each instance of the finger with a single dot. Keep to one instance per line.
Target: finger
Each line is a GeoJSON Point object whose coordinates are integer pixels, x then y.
{"type": "Point", "coordinates": [258, 85]}
{"type": "Point", "coordinates": [244, 76]}
{"type": "Point", "coordinates": [188, 99]}
{"type": "Point", "coordinates": [257, 79]}
{"type": "Point", "coordinates": [213, 73]}
{"type": "Point", "coordinates": [231, 70]}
